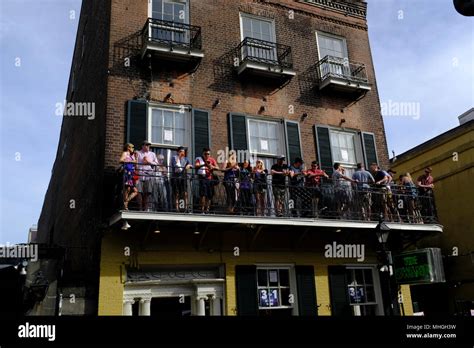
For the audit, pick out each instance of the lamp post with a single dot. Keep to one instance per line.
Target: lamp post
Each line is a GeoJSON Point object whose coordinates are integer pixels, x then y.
{"type": "Point", "coordinates": [383, 231]}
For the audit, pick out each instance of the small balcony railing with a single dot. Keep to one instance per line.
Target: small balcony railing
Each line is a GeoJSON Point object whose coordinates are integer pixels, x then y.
{"type": "Point", "coordinates": [165, 192]}
{"type": "Point", "coordinates": [341, 69]}
{"type": "Point", "coordinates": [265, 52]}
{"type": "Point", "coordinates": [172, 34]}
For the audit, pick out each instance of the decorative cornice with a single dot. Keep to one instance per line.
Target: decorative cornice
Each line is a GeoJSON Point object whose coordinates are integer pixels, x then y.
{"type": "Point", "coordinates": [314, 15]}
{"type": "Point", "coordinates": [356, 9]}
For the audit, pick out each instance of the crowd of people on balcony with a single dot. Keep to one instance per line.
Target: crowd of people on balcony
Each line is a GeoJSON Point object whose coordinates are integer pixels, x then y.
{"type": "Point", "coordinates": [284, 190]}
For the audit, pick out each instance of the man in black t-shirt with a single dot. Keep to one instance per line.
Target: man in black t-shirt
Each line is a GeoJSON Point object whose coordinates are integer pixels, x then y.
{"type": "Point", "coordinates": [279, 171]}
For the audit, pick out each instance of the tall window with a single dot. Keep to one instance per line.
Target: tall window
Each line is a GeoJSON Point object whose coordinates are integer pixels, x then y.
{"type": "Point", "coordinates": [361, 291]}
{"type": "Point", "coordinates": [273, 290]}
{"type": "Point", "coordinates": [175, 11]}
{"type": "Point", "coordinates": [262, 30]}
{"type": "Point", "coordinates": [265, 139]}
{"type": "Point", "coordinates": [343, 147]}
{"type": "Point", "coordinates": [334, 47]}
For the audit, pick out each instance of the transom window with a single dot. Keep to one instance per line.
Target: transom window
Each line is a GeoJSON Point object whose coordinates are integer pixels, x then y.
{"type": "Point", "coordinates": [273, 288]}
{"type": "Point", "coordinates": [168, 127]}
{"type": "Point", "coordinates": [361, 291]}
{"type": "Point", "coordinates": [343, 147]}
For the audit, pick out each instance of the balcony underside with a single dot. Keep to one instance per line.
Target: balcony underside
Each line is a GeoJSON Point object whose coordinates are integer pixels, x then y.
{"type": "Point", "coordinates": [267, 220]}
{"type": "Point", "coordinates": [249, 67]}
{"type": "Point", "coordinates": [171, 53]}
{"type": "Point", "coordinates": [344, 85]}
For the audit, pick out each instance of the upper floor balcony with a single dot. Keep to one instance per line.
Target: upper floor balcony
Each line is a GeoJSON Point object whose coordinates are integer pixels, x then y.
{"type": "Point", "coordinates": [264, 58]}
{"type": "Point", "coordinates": [341, 74]}
{"type": "Point", "coordinates": [170, 40]}
{"type": "Point", "coordinates": [159, 194]}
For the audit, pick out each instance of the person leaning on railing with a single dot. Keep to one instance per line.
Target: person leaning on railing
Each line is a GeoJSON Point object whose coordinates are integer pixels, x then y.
{"type": "Point", "coordinates": [205, 166]}
{"type": "Point", "coordinates": [180, 164]}
{"type": "Point", "coordinates": [364, 197]}
{"type": "Point", "coordinates": [425, 185]}
{"type": "Point", "coordinates": [129, 159]}
{"type": "Point", "coordinates": [231, 175]}
{"type": "Point", "coordinates": [279, 172]}
{"type": "Point", "coordinates": [313, 181]}
{"type": "Point", "coordinates": [342, 189]}
{"type": "Point", "coordinates": [146, 162]}
{"type": "Point", "coordinates": [410, 194]}
{"type": "Point", "coordinates": [245, 180]}
{"type": "Point", "coordinates": [259, 174]}
{"type": "Point", "coordinates": [380, 194]}
{"type": "Point", "coordinates": [297, 192]}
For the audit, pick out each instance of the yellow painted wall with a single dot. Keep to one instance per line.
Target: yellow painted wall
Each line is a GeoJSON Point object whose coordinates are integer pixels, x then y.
{"type": "Point", "coordinates": [113, 271]}
{"type": "Point", "coordinates": [452, 161]}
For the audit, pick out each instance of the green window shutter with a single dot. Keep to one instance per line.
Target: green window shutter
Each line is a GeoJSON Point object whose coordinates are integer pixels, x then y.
{"type": "Point", "coordinates": [307, 305]}
{"type": "Point", "coordinates": [338, 291]}
{"type": "Point", "coordinates": [202, 133]}
{"type": "Point", "coordinates": [237, 132]}
{"type": "Point", "coordinates": [293, 140]}
{"type": "Point", "coordinates": [370, 150]}
{"type": "Point", "coordinates": [246, 288]}
{"type": "Point", "coordinates": [136, 122]}
{"type": "Point", "coordinates": [323, 142]}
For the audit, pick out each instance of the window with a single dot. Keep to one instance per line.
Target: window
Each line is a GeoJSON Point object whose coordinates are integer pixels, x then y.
{"type": "Point", "coordinates": [168, 127]}
{"type": "Point", "coordinates": [171, 11]}
{"type": "Point", "coordinates": [343, 148]}
{"type": "Point", "coordinates": [264, 137]}
{"type": "Point", "coordinates": [334, 47]}
{"type": "Point", "coordinates": [273, 288]}
{"type": "Point", "coordinates": [362, 293]}
{"type": "Point", "coordinates": [262, 30]}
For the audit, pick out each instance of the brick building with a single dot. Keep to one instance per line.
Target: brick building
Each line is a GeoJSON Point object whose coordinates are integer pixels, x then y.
{"type": "Point", "coordinates": [262, 77]}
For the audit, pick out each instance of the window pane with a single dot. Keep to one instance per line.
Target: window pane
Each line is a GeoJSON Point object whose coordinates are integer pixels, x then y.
{"type": "Point", "coordinates": [368, 276]}
{"type": "Point", "coordinates": [157, 9]}
{"type": "Point", "coordinates": [179, 137]}
{"type": "Point", "coordinates": [168, 119]}
{"type": "Point", "coordinates": [263, 298]}
{"type": "Point", "coordinates": [273, 277]}
{"type": "Point", "coordinates": [179, 120]}
{"type": "Point", "coordinates": [263, 128]}
{"type": "Point", "coordinates": [370, 293]}
{"type": "Point", "coordinates": [262, 277]}
{"type": "Point", "coordinates": [284, 277]}
{"type": "Point", "coordinates": [359, 276]}
{"type": "Point", "coordinates": [285, 297]}
{"type": "Point", "coordinates": [253, 128]}
{"type": "Point", "coordinates": [246, 25]}
{"type": "Point", "coordinates": [266, 28]}
{"type": "Point", "coordinates": [274, 297]}
{"type": "Point", "coordinates": [156, 135]}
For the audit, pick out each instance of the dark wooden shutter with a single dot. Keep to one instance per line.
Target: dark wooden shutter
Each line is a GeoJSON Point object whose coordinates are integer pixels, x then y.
{"type": "Point", "coordinates": [246, 288]}
{"type": "Point", "coordinates": [338, 289]}
{"type": "Point", "coordinates": [324, 149]}
{"type": "Point", "coordinates": [237, 132]}
{"type": "Point", "coordinates": [307, 305]}
{"type": "Point", "coordinates": [202, 136]}
{"type": "Point", "coordinates": [293, 140]}
{"type": "Point", "coordinates": [370, 151]}
{"type": "Point", "coordinates": [136, 122]}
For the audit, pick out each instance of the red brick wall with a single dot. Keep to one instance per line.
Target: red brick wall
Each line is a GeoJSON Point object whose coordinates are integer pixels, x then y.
{"type": "Point", "coordinates": [220, 24]}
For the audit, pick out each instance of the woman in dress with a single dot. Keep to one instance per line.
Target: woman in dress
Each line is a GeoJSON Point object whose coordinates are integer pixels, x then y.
{"type": "Point", "coordinates": [128, 160]}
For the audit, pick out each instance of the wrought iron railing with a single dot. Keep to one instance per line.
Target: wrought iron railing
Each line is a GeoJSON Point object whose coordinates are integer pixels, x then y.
{"type": "Point", "coordinates": [172, 34]}
{"type": "Point", "coordinates": [341, 68]}
{"type": "Point", "coordinates": [158, 189]}
{"type": "Point", "coordinates": [265, 52]}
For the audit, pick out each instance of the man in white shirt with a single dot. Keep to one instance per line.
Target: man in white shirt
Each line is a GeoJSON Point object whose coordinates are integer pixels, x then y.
{"type": "Point", "coordinates": [146, 165]}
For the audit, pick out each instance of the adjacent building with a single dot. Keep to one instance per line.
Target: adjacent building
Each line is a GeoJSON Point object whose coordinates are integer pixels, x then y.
{"type": "Point", "coordinates": [451, 157]}
{"type": "Point", "coordinates": [263, 78]}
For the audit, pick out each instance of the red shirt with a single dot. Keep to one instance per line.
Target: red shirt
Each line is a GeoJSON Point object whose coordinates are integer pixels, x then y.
{"type": "Point", "coordinates": [425, 180]}
{"type": "Point", "coordinates": [314, 180]}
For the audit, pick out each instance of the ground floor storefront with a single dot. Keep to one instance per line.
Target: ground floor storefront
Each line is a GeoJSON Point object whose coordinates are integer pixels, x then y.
{"type": "Point", "coordinates": [213, 283]}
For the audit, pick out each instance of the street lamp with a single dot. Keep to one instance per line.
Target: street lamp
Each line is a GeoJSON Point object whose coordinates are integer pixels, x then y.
{"type": "Point", "coordinates": [383, 231]}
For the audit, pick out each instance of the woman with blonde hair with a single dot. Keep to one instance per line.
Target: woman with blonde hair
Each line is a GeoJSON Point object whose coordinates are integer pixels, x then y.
{"type": "Point", "coordinates": [411, 194]}
{"type": "Point", "coordinates": [260, 186]}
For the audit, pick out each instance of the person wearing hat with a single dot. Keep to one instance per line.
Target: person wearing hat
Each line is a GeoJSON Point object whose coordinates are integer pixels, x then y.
{"type": "Point", "coordinates": [279, 172]}
{"type": "Point", "coordinates": [146, 164]}
{"type": "Point", "coordinates": [180, 164]}
{"type": "Point", "coordinates": [297, 186]}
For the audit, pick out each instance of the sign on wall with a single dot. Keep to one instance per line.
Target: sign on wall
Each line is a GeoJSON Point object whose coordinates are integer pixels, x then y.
{"type": "Point", "coordinates": [423, 266]}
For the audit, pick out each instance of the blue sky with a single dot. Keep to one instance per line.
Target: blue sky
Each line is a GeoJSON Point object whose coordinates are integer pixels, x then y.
{"type": "Point", "coordinates": [423, 55]}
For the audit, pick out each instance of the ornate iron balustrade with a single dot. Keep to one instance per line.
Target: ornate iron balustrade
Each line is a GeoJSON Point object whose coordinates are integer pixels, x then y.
{"type": "Point", "coordinates": [172, 34]}
{"type": "Point", "coordinates": [342, 68]}
{"type": "Point", "coordinates": [265, 52]}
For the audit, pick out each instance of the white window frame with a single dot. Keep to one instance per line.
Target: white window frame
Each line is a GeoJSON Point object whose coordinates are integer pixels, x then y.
{"type": "Point", "coordinates": [187, 125]}
{"type": "Point", "coordinates": [293, 285]}
{"type": "Point", "coordinates": [354, 135]}
{"type": "Point", "coordinates": [344, 42]}
{"type": "Point", "coordinates": [263, 19]}
{"type": "Point", "coordinates": [377, 288]}
{"type": "Point", "coordinates": [281, 137]}
{"type": "Point", "coordinates": [186, 2]}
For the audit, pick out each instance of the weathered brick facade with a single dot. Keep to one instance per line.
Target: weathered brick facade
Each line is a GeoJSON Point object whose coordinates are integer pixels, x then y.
{"type": "Point", "coordinates": [93, 147]}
